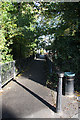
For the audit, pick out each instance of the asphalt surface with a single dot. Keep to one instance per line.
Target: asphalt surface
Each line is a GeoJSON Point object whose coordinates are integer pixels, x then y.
{"type": "Point", "coordinates": [28, 97]}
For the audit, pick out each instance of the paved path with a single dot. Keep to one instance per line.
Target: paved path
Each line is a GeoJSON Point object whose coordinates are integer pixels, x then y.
{"type": "Point", "coordinates": [28, 97]}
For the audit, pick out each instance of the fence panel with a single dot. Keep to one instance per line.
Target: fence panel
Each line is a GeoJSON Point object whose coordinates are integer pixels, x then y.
{"type": "Point", "coordinates": [7, 71]}
{"type": "Point", "coordinates": [10, 69]}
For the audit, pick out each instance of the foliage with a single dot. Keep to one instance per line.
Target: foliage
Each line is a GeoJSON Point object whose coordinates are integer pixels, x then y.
{"type": "Point", "coordinates": [63, 20]}
{"type": "Point", "coordinates": [18, 30]}
{"type": "Point", "coordinates": [6, 31]}
{"type": "Point", "coordinates": [23, 23]}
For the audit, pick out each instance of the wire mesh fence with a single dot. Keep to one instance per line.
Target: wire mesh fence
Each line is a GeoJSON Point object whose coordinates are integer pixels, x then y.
{"type": "Point", "coordinates": [7, 71]}
{"type": "Point", "coordinates": [10, 69]}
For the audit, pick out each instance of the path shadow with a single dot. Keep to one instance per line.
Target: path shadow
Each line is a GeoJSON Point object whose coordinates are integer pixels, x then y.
{"type": "Point", "coordinates": [38, 97]}
{"type": "Point", "coordinates": [37, 72]}
{"type": "Point", "coordinates": [7, 114]}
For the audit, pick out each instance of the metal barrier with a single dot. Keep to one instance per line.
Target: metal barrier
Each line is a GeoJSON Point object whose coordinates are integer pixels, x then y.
{"type": "Point", "coordinates": [10, 69]}
{"type": "Point", "coordinates": [7, 72]}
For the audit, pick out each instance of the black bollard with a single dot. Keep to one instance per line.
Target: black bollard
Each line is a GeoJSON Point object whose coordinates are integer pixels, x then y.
{"type": "Point", "coordinates": [69, 84]}
{"type": "Point", "coordinates": [59, 94]}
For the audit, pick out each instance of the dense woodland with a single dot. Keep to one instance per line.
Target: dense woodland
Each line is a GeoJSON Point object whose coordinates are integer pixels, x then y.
{"type": "Point", "coordinates": [23, 23]}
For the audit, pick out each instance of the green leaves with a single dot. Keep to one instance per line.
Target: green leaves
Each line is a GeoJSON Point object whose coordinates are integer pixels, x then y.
{"type": "Point", "coordinates": [22, 24]}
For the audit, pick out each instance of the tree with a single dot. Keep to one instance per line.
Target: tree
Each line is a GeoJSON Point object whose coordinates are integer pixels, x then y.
{"type": "Point", "coordinates": [18, 30]}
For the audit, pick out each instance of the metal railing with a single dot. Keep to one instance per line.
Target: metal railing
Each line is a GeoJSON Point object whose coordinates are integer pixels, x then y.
{"type": "Point", "coordinates": [9, 70]}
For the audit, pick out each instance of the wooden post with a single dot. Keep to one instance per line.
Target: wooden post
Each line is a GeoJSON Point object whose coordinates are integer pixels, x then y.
{"type": "Point", "coordinates": [59, 94]}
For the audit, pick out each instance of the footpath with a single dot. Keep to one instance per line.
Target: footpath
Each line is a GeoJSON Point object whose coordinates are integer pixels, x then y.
{"type": "Point", "coordinates": [28, 97]}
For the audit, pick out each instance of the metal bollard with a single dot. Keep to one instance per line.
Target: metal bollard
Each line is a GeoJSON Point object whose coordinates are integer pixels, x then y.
{"type": "Point", "coordinates": [59, 94]}
{"type": "Point", "coordinates": [69, 84]}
